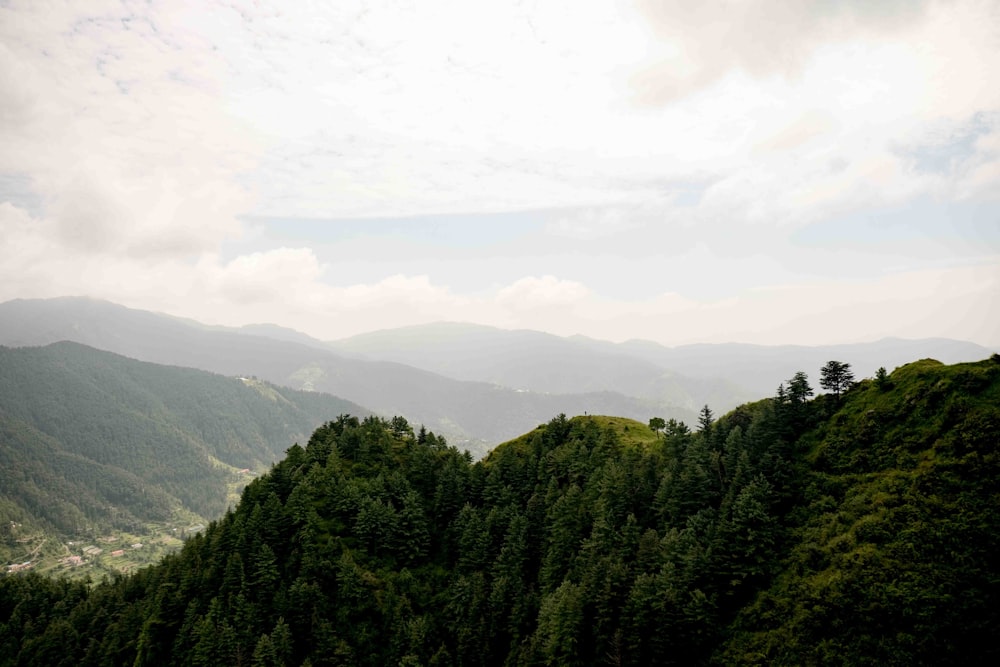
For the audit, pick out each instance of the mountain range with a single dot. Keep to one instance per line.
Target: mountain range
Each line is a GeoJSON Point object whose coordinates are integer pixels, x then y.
{"type": "Point", "coordinates": [720, 375]}
{"type": "Point", "coordinates": [542, 362]}
{"type": "Point", "coordinates": [475, 415]}
{"type": "Point", "coordinates": [475, 385]}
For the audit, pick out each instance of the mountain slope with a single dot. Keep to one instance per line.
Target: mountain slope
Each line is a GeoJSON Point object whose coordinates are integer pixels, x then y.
{"type": "Point", "coordinates": [894, 557]}
{"type": "Point", "coordinates": [855, 530]}
{"type": "Point", "coordinates": [477, 414]}
{"type": "Point", "coordinates": [91, 441]}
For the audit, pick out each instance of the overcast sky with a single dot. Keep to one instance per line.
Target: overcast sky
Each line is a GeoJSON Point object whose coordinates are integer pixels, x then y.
{"type": "Point", "coordinates": [756, 171]}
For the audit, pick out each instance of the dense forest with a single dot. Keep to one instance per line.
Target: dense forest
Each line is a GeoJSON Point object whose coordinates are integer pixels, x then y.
{"type": "Point", "coordinates": [857, 527]}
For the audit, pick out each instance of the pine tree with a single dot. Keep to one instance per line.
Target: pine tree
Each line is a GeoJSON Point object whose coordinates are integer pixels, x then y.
{"type": "Point", "coordinates": [799, 391]}
{"type": "Point", "coordinates": [705, 420]}
{"type": "Point", "coordinates": [836, 377]}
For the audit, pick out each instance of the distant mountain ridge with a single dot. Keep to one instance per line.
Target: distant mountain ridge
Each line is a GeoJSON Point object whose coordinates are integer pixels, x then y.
{"type": "Point", "coordinates": [540, 362]}
{"type": "Point", "coordinates": [720, 375]}
{"type": "Point", "coordinates": [474, 414]}
{"type": "Point", "coordinates": [475, 384]}
{"type": "Point", "coordinates": [761, 367]}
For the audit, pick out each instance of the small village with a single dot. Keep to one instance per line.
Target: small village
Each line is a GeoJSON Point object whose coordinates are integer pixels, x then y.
{"type": "Point", "coordinates": [106, 555]}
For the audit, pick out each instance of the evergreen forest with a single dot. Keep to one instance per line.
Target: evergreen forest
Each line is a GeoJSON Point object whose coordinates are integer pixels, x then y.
{"type": "Point", "coordinates": [857, 527]}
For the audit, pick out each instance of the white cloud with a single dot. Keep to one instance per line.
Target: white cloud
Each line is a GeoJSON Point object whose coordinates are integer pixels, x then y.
{"type": "Point", "coordinates": [22, 248]}
{"type": "Point", "coordinates": [267, 277]}
{"type": "Point", "coordinates": [545, 292]}
{"type": "Point", "coordinates": [595, 223]}
{"type": "Point", "coordinates": [108, 116]}
{"type": "Point", "coordinates": [980, 173]}
{"type": "Point", "coordinates": [363, 109]}
{"type": "Point", "coordinates": [958, 303]}
{"type": "Point", "coordinates": [811, 124]}
{"type": "Point", "coordinates": [289, 285]}
{"type": "Point", "coordinates": [141, 134]}
{"type": "Point", "coordinates": [700, 43]}
{"type": "Point", "coordinates": [413, 293]}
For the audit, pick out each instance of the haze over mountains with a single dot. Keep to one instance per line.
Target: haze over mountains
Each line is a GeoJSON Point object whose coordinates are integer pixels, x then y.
{"type": "Point", "coordinates": [476, 415]}
{"type": "Point", "coordinates": [760, 368]}
{"type": "Point", "coordinates": [476, 385]}
{"type": "Point", "coordinates": [541, 362]}
{"type": "Point", "coordinates": [720, 375]}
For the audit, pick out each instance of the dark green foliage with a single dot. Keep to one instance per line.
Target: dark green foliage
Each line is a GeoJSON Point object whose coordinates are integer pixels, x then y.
{"type": "Point", "coordinates": [781, 533]}
{"type": "Point", "coordinates": [799, 390]}
{"type": "Point", "coordinates": [705, 419]}
{"type": "Point", "coordinates": [893, 556]}
{"type": "Point", "coordinates": [836, 377]}
{"type": "Point", "coordinates": [882, 378]}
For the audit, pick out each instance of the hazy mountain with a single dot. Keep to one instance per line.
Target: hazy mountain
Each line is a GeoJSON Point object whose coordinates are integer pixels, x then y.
{"type": "Point", "coordinates": [277, 333]}
{"type": "Point", "coordinates": [93, 441]}
{"type": "Point", "coordinates": [540, 362]}
{"type": "Point", "coordinates": [720, 375]}
{"type": "Point", "coordinates": [761, 368]}
{"type": "Point", "coordinates": [477, 414]}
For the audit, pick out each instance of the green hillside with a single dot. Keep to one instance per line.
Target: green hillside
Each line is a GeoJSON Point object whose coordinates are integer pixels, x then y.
{"type": "Point", "coordinates": [859, 529]}
{"type": "Point", "coordinates": [895, 556]}
{"type": "Point", "coordinates": [94, 446]}
{"type": "Point", "coordinates": [628, 431]}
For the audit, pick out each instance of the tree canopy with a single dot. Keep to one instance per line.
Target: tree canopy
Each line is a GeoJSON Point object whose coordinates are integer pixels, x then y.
{"type": "Point", "coordinates": [783, 534]}
{"type": "Point", "coordinates": [836, 377]}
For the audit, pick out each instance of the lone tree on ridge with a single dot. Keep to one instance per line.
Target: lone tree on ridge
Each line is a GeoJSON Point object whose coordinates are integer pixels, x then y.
{"type": "Point", "coordinates": [836, 377]}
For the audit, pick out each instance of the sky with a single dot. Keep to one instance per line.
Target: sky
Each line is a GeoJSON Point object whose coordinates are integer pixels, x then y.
{"type": "Point", "coordinates": [756, 171]}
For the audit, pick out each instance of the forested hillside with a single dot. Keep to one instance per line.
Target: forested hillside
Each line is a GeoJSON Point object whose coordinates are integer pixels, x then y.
{"type": "Point", "coordinates": [860, 528]}
{"type": "Point", "coordinates": [92, 443]}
